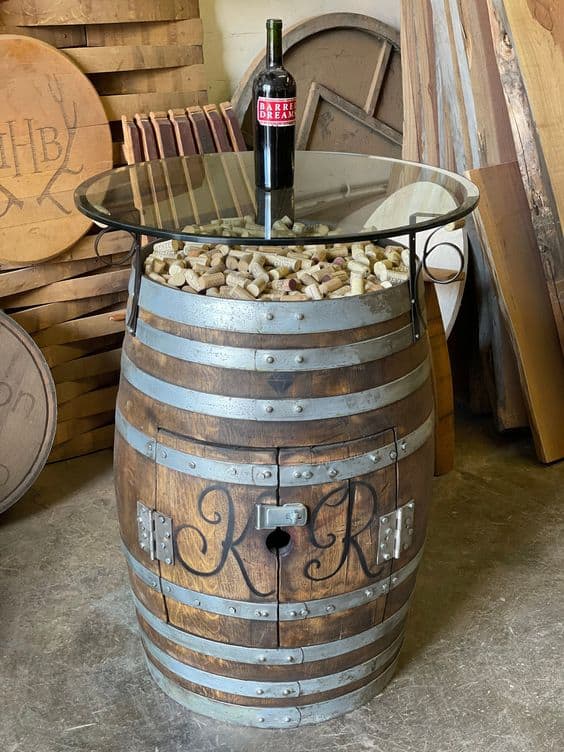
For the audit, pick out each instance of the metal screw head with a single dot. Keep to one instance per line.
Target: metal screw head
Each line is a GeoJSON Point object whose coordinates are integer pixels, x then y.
{"type": "Point", "coordinates": [267, 474]}
{"type": "Point", "coordinates": [197, 603]}
{"type": "Point", "coordinates": [403, 446]}
{"type": "Point", "coordinates": [269, 358]}
{"type": "Point", "coordinates": [297, 474]}
{"type": "Point", "coordinates": [307, 474]}
{"type": "Point", "coordinates": [394, 580]}
{"type": "Point", "coordinates": [287, 692]}
{"type": "Point", "coordinates": [300, 316]}
{"type": "Point", "coordinates": [268, 408]}
{"type": "Point", "coordinates": [150, 446]}
{"type": "Point", "coordinates": [260, 720]}
{"type": "Point", "coordinates": [384, 586]}
{"type": "Point", "coordinates": [304, 612]}
{"type": "Point", "coordinates": [298, 409]}
{"type": "Point", "coordinates": [288, 719]}
{"type": "Point", "coordinates": [332, 473]}
{"type": "Point", "coordinates": [232, 610]}
{"type": "Point", "coordinates": [293, 613]}
{"type": "Point", "coordinates": [260, 691]}
{"type": "Point", "coordinates": [368, 593]}
{"type": "Point", "coordinates": [393, 455]}
{"type": "Point", "coordinates": [258, 613]}
{"type": "Point", "coordinates": [168, 561]}
{"type": "Point", "coordinates": [264, 613]}
{"type": "Point", "coordinates": [261, 659]}
{"type": "Point", "coordinates": [168, 588]}
{"type": "Point", "coordinates": [330, 608]}
{"type": "Point", "coordinates": [411, 504]}
{"type": "Point", "coordinates": [387, 556]}
{"type": "Point", "coordinates": [233, 470]}
{"type": "Point", "coordinates": [269, 316]}
{"type": "Point", "coordinates": [191, 465]}
{"type": "Point", "coordinates": [299, 358]}
{"type": "Point", "coordinates": [384, 520]}
{"type": "Point", "coordinates": [161, 520]}
{"type": "Point", "coordinates": [163, 453]}
{"type": "Point", "coordinates": [289, 658]}
{"type": "Point", "coordinates": [375, 458]}
{"type": "Point", "coordinates": [167, 534]}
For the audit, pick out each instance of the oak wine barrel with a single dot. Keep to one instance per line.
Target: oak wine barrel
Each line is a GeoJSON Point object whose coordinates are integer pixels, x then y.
{"type": "Point", "coordinates": [273, 472]}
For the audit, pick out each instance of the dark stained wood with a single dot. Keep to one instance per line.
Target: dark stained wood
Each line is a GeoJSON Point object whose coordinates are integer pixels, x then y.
{"type": "Point", "coordinates": [218, 128]}
{"type": "Point", "coordinates": [233, 127]}
{"type": "Point", "coordinates": [201, 129]}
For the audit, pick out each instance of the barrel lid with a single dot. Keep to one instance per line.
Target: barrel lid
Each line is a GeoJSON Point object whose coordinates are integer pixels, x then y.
{"type": "Point", "coordinates": [28, 411]}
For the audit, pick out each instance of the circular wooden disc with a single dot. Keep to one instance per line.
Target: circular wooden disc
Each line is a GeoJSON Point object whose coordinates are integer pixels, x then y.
{"type": "Point", "coordinates": [53, 135]}
{"type": "Point", "coordinates": [28, 411]}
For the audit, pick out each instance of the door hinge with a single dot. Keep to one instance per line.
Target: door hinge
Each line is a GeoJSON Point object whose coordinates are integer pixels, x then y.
{"type": "Point", "coordinates": [154, 533]}
{"type": "Point", "coordinates": [270, 517]}
{"type": "Point", "coordinates": [395, 534]}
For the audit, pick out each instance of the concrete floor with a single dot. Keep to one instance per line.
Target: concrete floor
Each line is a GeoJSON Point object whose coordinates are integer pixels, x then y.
{"type": "Point", "coordinates": [481, 668]}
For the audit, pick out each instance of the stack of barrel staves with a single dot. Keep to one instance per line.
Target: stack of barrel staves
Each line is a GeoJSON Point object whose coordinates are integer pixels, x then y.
{"type": "Point", "coordinates": [138, 56]}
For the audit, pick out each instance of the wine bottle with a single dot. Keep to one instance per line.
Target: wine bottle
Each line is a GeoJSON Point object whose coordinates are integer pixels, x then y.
{"type": "Point", "coordinates": [274, 114]}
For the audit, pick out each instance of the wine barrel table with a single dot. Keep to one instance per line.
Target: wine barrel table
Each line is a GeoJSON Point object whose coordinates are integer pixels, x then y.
{"type": "Point", "coordinates": [273, 471]}
{"type": "Point", "coordinates": [273, 460]}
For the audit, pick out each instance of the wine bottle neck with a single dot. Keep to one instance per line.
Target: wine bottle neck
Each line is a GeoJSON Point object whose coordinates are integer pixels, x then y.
{"type": "Point", "coordinates": [274, 45]}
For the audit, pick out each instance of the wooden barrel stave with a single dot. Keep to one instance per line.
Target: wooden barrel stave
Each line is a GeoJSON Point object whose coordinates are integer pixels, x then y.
{"type": "Point", "coordinates": [203, 655]}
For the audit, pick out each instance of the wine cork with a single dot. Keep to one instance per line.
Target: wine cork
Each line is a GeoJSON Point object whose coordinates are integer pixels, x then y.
{"type": "Point", "coordinates": [340, 292]}
{"type": "Point", "coordinates": [284, 285]}
{"type": "Point", "coordinates": [158, 266]}
{"type": "Point", "coordinates": [257, 286]}
{"type": "Point", "coordinates": [237, 279]}
{"type": "Point", "coordinates": [296, 296]}
{"type": "Point", "coordinates": [187, 288]}
{"type": "Point", "coordinates": [395, 275]}
{"type": "Point", "coordinates": [331, 285]}
{"type": "Point", "coordinates": [156, 277]}
{"type": "Point", "coordinates": [167, 247]}
{"type": "Point", "coordinates": [256, 268]}
{"type": "Point", "coordinates": [212, 280]}
{"type": "Point", "coordinates": [213, 292]}
{"type": "Point", "coordinates": [240, 293]}
{"type": "Point", "coordinates": [313, 291]}
{"type": "Point", "coordinates": [380, 271]}
{"type": "Point", "coordinates": [232, 263]}
{"type": "Point", "coordinates": [277, 260]}
{"type": "Point", "coordinates": [306, 279]}
{"type": "Point", "coordinates": [386, 284]}
{"type": "Point", "coordinates": [357, 283]}
{"type": "Point", "coordinates": [356, 267]}
{"type": "Point", "coordinates": [279, 272]}
{"type": "Point", "coordinates": [177, 279]}
{"type": "Point", "coordinates": [192, 279]}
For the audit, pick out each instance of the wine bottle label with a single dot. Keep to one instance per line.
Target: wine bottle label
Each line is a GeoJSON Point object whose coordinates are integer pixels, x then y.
{"type": "Point", "coordinates": [276, 111]}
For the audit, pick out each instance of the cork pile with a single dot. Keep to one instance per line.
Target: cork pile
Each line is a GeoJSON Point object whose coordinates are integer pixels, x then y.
{"type": "Point", "coordinates": [287, 273]}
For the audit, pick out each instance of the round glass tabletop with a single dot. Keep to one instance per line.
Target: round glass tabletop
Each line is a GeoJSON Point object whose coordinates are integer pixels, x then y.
{"type": "Point", "coordinates": [344, 197]}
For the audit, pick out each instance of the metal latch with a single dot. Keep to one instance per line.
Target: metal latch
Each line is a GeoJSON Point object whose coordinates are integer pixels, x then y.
{"type": "Point", "coordinates": [270, 517]}
{"type": "Point", "coordinates": [154, 533]}
{"type": "Point", "coordinates": [395, 534]}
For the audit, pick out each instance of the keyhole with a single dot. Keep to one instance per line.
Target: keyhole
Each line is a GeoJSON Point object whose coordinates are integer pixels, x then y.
{"type": "Point", "coordinates": [279, 541]}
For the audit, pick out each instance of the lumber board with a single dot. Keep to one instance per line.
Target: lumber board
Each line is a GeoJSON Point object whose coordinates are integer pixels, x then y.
{"type": "Point", "coordinates": [73, 12]}
{"type": "Point", "coordinates": [536, 167]}
{"type": "Point", "coordinates": [71, 289]}
{"type": "Point", "coordinates": [183, 33]}
{"type": "Point", "coordinates": [40, 317]}
{"type": "Point", "coordinates": [508, 237]}
{"type": "Point", "coordinates": [92, 441]}
{"type": "Point", "coordinates": [91, 365]}
{"type": "Point", "coordinates": [120, 58]}
{"type": "Point", "coordinates": [442, 384]}
{"type": "Point", "coordinates": [93, 403]}
{"type": "Point", "coordinates": [56, 354]}
{"type": "Point", "coordinates": [168, 80]}
{"type": "Point", "coordinates": [56, 36]}
{"type": "Point", "coordinates": [112, 243]}
{"type": "Point", "coordinates": [67, 429]}
{"type": "Point", "coordinates": [39, 275]}
{"type": "Point", "coordinates": [68, 390]}
{"type": "Point", "coordinates": [83, 328]}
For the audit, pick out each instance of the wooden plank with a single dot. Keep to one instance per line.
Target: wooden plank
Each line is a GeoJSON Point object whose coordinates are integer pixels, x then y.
{"type": "Point", "coordinates": [92, 403]}
{"type": "Point", "coordinates": [31, 277]}
{"type": "Point", "coordinates": [71, 289]}
{"type": "Point", "coordinates": [91, 365]}
{"type": "Point", "coordinates": [84, 328]}
{"type": "Point", "coordinates": [185, 78]}
{"type": "Point", "coordinates": [93, 441]}
{"type": "Point", "coordinates": [69, 390]}
{"type": "Point", "coordinates": [508, 238]}
{"type": "Point", "coordinates": [56, 354]}
{"type": "Point", "coordinates": [73, 12]}
{"type": "Point", "coordinates": [536, 168]}
{"type": "Point", "coordinates": [41, 317]}
{"type": "Point", "coordinates": [129, 104]}
{"type": "Point", "coordinates": [56, 36]}
{"type": "Point", "coordinates": [183, 33]}
{"type": "Point", "coordinates": [67, 429]}
{"type": "Point", "coordinates": [442, 384]}
{"type": "Point", "coordinates": [133, 57]}
{"type": "Point", "coordinates": [233, 127]}
{"type": "Point", "coordinates": [112, 242]}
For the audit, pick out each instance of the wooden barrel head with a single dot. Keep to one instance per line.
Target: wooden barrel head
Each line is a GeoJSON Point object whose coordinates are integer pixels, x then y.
{"type": "Point", "coordinates": [28, 411]}
{"type": "Point", "coordinates": [53, 135]}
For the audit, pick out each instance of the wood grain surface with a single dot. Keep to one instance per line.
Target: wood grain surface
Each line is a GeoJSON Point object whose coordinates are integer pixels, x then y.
{"type": "Point", "coordinates": [54, 135]}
